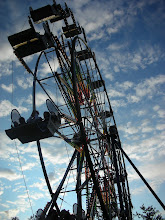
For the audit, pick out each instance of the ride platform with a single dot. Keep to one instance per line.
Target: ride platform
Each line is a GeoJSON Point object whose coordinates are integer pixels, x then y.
{"type": "Point", "coordinates": [29, 132]}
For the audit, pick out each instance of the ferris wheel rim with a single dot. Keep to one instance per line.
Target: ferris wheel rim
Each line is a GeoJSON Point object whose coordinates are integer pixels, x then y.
{"type": "Point", "coordinates": [86, 150]}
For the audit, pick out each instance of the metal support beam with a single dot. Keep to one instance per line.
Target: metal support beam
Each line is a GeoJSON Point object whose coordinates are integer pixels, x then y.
{"type": "Point", "coordinates": [46, 176]}
{"type": "Point", "coordinates": [56, 194]}
{"type": "Point", "coordinates": [145, 182]}
{"type": "Point", "coordinates": [117, 177]}
{"type": "Point", "coordinates": [79, 201]}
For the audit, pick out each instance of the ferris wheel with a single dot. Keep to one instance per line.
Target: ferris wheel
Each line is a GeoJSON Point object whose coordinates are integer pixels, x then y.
{"type": "Point", "coordinates": [83, 119]}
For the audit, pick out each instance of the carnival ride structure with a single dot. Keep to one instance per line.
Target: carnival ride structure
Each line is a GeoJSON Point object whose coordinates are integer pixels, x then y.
{"type": "Point", "coordinates": [85, 120]}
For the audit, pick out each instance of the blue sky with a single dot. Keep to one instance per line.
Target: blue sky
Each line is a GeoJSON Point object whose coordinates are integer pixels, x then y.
{"type": "Point", "coordinates": [127, 37]}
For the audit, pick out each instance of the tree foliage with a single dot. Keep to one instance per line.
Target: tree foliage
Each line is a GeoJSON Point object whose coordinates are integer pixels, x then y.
{"type": "Point", "coordinates": [149, 213]}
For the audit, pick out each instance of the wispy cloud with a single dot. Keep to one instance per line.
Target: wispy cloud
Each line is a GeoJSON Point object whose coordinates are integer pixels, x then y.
{"type": "Point", "coordinates": [24, 82]}
{"type": "Point", "coordinates": [5, 69]}
{"type": "Point", "coordinates": [28, 166]}
{"type": "Point", "coordinates": [6, 106]}
{"type": "Point", "coordinates": [151, 172]}
{"type": "Point", "coordinates": [134, 93]}
{"type": "Point", "coordinates": [8, 88]}
{"type": "Point", "coordinates": [45, 68]}
{"type": "Point", "coordinates": [116, 46]}
{"type": "Point", "coordinates": [9, 174]}
{"type": "Point", "coordinates": [146, 149]}
{"type": "Point", "coordinates": [141, 113]}
{"type": "Point", "coordinates": [149, 86]}
{"type": "Point", "coordinates": [6, 53]}
{"type": "Point", "coordinates": [8, 214]}
{"type": "Point", "coordinates": [115, 93]}
{"type": "Point", "coordinates": [125, 60]}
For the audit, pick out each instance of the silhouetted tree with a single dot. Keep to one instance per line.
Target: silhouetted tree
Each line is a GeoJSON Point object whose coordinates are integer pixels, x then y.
{"type": "Point", "coordinates": [149, 213]}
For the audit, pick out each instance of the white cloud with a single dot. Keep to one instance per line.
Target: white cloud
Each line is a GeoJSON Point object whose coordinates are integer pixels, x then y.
{"type": "Point", "coordinates": [113, 30]}
{"type": "Point", "coordinates": [146, 149]}
{"type": "Point", "coordinates": [145, 122]}
{"type": "Point", "coordinates": [124, 86]}
{"type": "Point", "coordinates": [78, 4]}
{"type": "Point", "coordinates": [156, 107]}
{"type": "Point", "coordinates": [96, 36]}
{"type": "Point", "coordinates": [25, 82]}
{"type": "Point", "coordinates": [33, 195]}
{"type": "Point", "coordinates": [109, 76]}
{"type": "Point", "coordinates": [36, 196]}
{"type": "Point", "coordinates": [45, 69]}
{"type": "Point", "coordinates": [147, 129]}
{"type": "Point", "coordinates": [115, 93]}
{"type": "Point", "coordinates": [152, 172]}
{"type": "Point", "coordinates": [8, 214]}
{"type": "Point", "coordinates": [41, 185]}
{"type": "Point", "coordinates": [129, 129]}
{"type": "Point", "coordinates": [20, 205]}
{"type": "Point", "coordinates": [5, 69]}
{"type": "Point", "coordinates": [138, 190]}
{"type": "Point", "coordinates": [6, 53]}
{"type": "Point", "coordinates": [17, 188]}
{"type": "Point", "coordinates": [30, 149]}
{"type": "Point", "coordinates": [133, 98]}
{"type": "Point", "coordinates": [5, 206]}
{"type": "Point", "coordinates": [6, 147]}
{"type": "Point", "coordinates": [116, 69]}
{"type": "Point", "coordinates": [117, 103]}
{"type": "Point", "coordinates": [9, 174]}
{"type": "Point", "coordinates": [116, 46]}
{"type": "Point", "coordinates": [161, 113]}
{"type": "Point", "coordinates": [29, 166]}
{"type": "Point", "coordinates": [138, 59]}
{"type": "Point", "coordinates": [94, 12]}
{"type": "Point", "coordinates": [1, 190]}
{"type": "Point", "coordinates": [6, 106]}
{"type": "Point", "coordinates": [160, 127]}
{"type": "Point", "coordinates": [149, 86]}
{"type": "Point", "coordinates": [41, 98]}
{"type": "Point", "coordinates": [141, 112]}
{"type": "Point", "coordinates": [9, 88]}
{"type": "Point", "coordinates": [52, 154]}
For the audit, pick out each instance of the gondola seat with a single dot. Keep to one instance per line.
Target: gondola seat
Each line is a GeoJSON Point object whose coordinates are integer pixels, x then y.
{"type": "Point", "coordinates": [34, 131]}
{"type": "Point", "coordinates": [49, 12]}
{"type": "Point", "coordinates": [29, 42]}
{"type": "Point", "coordinates": [84, 54]}
{"type": "Point", "coordinates": [29, 132]}
{"type": "Point", "coordinates": [71, 30]}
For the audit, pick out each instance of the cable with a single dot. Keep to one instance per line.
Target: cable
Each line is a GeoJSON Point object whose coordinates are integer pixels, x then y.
{"type": "Point", "coordinates": [65, 191]}
{"type": "Point", "coordinates": [65, 201]}
{"type": "Point", "coordinates": [24, 178]}
{"type": "Point", "coordinates": [12, 93]}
